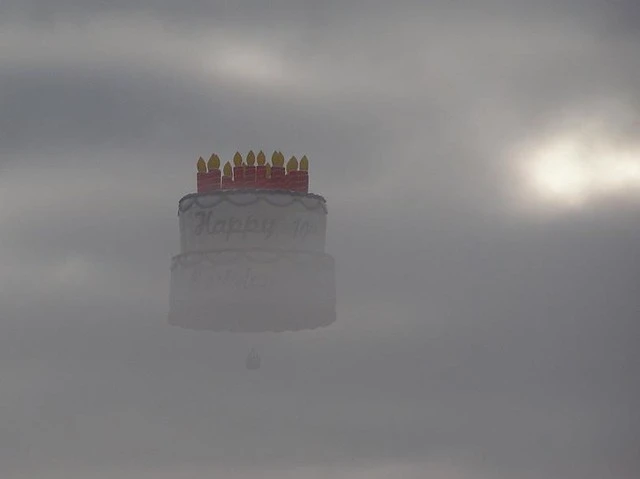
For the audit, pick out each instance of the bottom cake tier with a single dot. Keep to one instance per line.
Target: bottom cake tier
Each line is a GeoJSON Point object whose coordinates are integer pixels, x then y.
{"type": "Point", "coordinates": [252, 291]}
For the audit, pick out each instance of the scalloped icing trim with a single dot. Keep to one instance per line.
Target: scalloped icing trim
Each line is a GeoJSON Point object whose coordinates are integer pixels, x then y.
{"type": "Point", "coordinates": [211, 200]}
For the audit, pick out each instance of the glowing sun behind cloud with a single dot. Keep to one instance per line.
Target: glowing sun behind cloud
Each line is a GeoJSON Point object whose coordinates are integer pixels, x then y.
{"type": "Point", "coordinates": [574, 168]}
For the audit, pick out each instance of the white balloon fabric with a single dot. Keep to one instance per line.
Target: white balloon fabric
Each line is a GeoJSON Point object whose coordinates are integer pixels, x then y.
{"type": "Point", "coordinates": [252, 261]}
{"type": "Point", "coordinates": [253, 360]}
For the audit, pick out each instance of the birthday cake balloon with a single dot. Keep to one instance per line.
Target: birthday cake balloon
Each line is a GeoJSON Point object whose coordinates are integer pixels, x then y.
{"type": "Point", "coordinates": [252, 250]}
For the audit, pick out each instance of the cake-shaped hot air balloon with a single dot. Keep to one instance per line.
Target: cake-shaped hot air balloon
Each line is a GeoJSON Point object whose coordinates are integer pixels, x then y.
{"type": "Point", "coordinates": [252, 255]}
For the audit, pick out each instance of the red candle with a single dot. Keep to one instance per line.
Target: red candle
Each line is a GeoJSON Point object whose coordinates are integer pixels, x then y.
{"type": "Point", "coordinates": [261, 176]}
{"type": "Point", "coordinates": [297, 182]}
{"type": "Point", "coordinates": [267, 180]}
{"type": "Point", "coordinates": [250, 171]}
{"type": "Point", "coordinates": [277, 171]}
{"type": "Point", "coordinates": [277, 178]}
{"type": "Point", "coordinates": [238, 171]}
{"type": "Point", "coordinates": [304, 175]}
{"type": "Point", "coordinates": [227, 180]}
{"type": "Point", "coordinates": [238, 177]}
{"type": "Point", "coordinates": [213, 176]}
{"type": "Point", "coordinates": [210, 181]}
{"type": "Point", "coordinates": [202, 182]}
{"type": "Point", "coordinates": [261, 172]}
{"type": "Point", "coordinates": [292, 171]}
{"type": "Point", "coordinates": [202, 175]}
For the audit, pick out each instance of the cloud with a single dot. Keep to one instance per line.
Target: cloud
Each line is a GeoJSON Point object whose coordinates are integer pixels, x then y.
{"type": "Point", "coordinates": [475, 338]}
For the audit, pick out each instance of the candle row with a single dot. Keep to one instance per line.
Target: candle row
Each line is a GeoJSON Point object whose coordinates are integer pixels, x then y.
{"type": "Point", "coordinates": [274, 176]}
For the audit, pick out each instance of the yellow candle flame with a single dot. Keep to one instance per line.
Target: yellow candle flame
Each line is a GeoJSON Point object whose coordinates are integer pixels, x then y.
{"type": "Point", "coordinates": [213, 163]}
{"type": "Point", "coordinates": [261, 158]}
{"type": "Point", "coordinates": [201, 165]}
{"type": "Point", "coordinates": [292, 164]}
{"type": "Point", "coordinates": [227, 169]}
{"type": "Point", "coordinates": [251, 158]}
{"type": "Point", "coordinates": [304, 163]}
{"type": "Point", "coordinates": [237, 159]}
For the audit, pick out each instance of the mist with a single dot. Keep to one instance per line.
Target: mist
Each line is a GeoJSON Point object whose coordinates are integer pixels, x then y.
{"type": "Point", "coordinates": [479, 162]}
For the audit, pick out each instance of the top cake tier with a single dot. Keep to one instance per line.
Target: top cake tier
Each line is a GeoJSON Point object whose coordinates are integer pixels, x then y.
{"type": "Point", "coordinates": [252, 219]}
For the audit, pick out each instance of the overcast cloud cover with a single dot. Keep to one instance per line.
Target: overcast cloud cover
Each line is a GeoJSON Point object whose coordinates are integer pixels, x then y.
{"type": "Point", "coordinates": [487, 325]}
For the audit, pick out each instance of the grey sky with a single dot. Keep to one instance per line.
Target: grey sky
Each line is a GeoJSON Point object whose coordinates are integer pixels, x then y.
{"type": "Point", "coordinates": [483, 331]}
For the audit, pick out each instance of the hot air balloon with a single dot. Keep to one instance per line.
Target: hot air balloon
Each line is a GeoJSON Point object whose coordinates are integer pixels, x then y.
{"type": "Point", "coordinates": [253, 360]}
{"type": "Point", "coordinates": [252, 251]}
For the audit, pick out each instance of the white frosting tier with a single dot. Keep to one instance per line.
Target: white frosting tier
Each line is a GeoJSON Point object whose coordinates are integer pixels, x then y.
{"type": "Point", "coordinates": [252, 291]}
{"type": "Point", "coordinates": [269, 220]}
